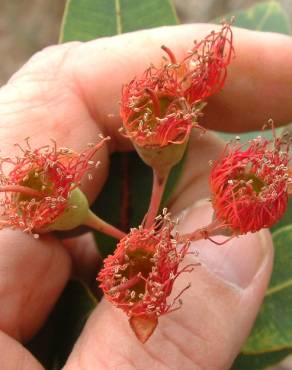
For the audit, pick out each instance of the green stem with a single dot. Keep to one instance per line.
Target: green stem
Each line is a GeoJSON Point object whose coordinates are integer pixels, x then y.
{"type": "Point", "coordinates": [98, 224]}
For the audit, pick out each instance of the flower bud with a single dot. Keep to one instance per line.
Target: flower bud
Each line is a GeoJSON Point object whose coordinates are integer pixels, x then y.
{"type": "Point", "coordinates": [162, 159]}
{"type": "Point", "coordinates": [75, 213]}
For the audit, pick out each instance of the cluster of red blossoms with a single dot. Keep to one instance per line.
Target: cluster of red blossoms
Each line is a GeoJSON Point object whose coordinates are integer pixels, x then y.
{"type": "Point", "coordinates": [163, 105]}
{"type": "Point", "coordinates": [249, 184]}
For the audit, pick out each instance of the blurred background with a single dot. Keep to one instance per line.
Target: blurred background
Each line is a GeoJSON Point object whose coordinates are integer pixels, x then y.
{"type": "Point", "coordinates": [27, 26]}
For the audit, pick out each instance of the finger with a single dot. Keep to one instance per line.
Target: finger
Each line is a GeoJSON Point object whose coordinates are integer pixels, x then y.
{"type": "Point", "coordinates": [71, 87]}
{"type": "Point", "coordinates": [43, 104]}
{"type": "Point", "coordinates": [33, 273]}
{"type": "Point", "coordinates": [14, 356]}
{"type": "Point", "coordinates": [211, 326]}
{"type": "Point", "coordinates": [258, 77]}
{"type": "Point", "coordinates": [85, 257]}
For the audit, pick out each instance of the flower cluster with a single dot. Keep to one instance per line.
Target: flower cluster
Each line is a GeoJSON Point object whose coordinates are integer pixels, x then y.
{"type": "Point", "coordinates": [158, 111]}
{"type": "Point", "coordinates": [249, 186]}
{"type": "Point", "coordinates": [37, 185]}
{"type": "Point", "coordinates": [139, 276]}
{"type": "Point", "coordinates": [163, 105]}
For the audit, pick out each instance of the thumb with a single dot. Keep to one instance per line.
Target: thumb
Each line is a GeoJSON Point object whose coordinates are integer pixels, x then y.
{"type": "Point", "coordinates": [214, 321]}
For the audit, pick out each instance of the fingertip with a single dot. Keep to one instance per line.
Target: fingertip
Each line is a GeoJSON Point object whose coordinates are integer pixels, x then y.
{"type": "Point", "coordinates": [85, 256]}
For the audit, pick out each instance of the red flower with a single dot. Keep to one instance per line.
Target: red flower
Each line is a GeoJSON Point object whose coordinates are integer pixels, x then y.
{"type": "Point", "coordinates": [139, 276]}
{"type": "Point", "coordinates": [36, 186]}
{"type": "Point", "coordinates": [207, 65]}
{"type": "Point", "coordinates": [249, 187]}
{"type": "Point", "coordinates": [153, 109]}
{"type": "Point", "coordinates": [162, 106]}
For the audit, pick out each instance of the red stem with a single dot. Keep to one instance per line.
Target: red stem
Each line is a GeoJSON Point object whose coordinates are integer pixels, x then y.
{"type": "Point", "coordinates": [124, 213]}
{"type": "Point", "coordinates": [98, 224]}
{"type": "Point", "coordinates": [206, 233]}
{"type": "Point", "coordinates": [21, 189]}
{"type": "Point", "coordinates": [159, 182]}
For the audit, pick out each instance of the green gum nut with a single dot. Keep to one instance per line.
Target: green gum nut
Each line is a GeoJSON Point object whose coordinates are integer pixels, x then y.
{"type": "Point", "coordinates": [162, 158]}
{"type": "Point", "coordinates": [74, 215]}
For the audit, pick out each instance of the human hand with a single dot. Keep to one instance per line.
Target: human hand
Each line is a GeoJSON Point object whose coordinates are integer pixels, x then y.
{"type": "Point", "coordinates": [70, 93]}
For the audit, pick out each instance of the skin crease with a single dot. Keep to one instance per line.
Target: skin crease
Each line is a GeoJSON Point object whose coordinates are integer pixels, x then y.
{"type": "Point", "coordinates": [70, 93]}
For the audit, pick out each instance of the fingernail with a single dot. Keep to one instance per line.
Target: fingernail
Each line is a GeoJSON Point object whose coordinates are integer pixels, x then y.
{"type": "Point", "coordinates": [238, 261]}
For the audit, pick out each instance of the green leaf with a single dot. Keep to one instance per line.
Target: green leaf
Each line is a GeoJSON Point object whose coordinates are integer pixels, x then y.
{"type": "Point", "coordinates": [85, 20]}
{"type": "Point", "coordinates": [273, 328]}
{"type": "Point", "coordinates": [272, 331]}
{"type": "Point", "coordinates": [124, 198]}
{"type": "Point", "coordinates": [128, 188]}
{"type": "Point", "coordinates": [268, 16]}
{"type": "Point", "coordinates": [53, 344]}
{"type": "Point", "coordinates": [260, 361]}
{"type": "Point", "coordinates": [111, 200]}
{"type": "Point", "coordinates": [137, 15]}
{"type": "Point", "coordinates": [245, 136]}
{"type": "Point", "coordinates": [286, 219]}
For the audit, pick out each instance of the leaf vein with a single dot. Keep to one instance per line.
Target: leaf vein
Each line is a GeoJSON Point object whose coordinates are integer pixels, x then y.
{"type": "Point", "coordinates": [279, 287]}
{"type": "Point", "coordinates": [118, 17]}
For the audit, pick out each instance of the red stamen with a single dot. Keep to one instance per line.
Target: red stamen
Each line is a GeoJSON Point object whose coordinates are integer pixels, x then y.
{"type": "Point", "coordinates": [128, 284]}
{"type": "Point", "coordinates": [170, 54]}
{"type": "Point", "coordinates": [155, 101]}
{"type": "Point", "coordinates": [21, 189]}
